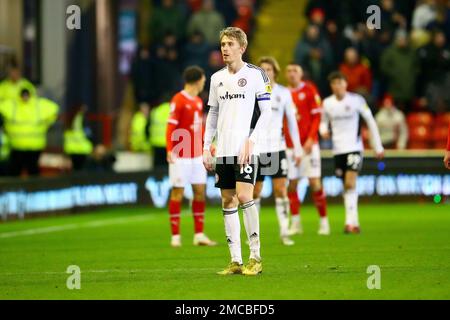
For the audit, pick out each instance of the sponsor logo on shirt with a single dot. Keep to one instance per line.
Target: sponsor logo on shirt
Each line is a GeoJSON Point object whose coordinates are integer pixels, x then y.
{"type": "Point", "coordinates": [231, 96]}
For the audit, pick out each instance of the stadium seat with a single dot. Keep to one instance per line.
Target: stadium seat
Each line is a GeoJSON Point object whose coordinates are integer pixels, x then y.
{"type": "Point", "coordinates": [419, 137]}
{"type": "Point", "coordinates": [419, 118]}
{"type": "Point", "coordinates": [439, 136]}
{"type": "Point", "coordinates": [442, 119]}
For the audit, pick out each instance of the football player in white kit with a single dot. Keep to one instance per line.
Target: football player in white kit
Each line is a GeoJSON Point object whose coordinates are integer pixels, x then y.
{"type": "Point", "coordinates": [272, 159]}
{"type": "Point", "coordinates": [341, 112]}
{"type": "Point", "coordinates": [240, 111]}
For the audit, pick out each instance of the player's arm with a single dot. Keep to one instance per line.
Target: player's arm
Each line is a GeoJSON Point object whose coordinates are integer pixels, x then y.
{"type": "Point", "coordinates": [316, 110]}
{"type": "Point", "coordinates": [324, 124]}
{"type": "Point", "coordinates": [365, 112]}
{"type": "Point", "coordinates": [263, 91]}
{"type": "Point", "coordinates": [172, 125]}
{"type": "Point", "coordinates": [293, 130]}
{"type": "Point", "coordinates": [210, 127]}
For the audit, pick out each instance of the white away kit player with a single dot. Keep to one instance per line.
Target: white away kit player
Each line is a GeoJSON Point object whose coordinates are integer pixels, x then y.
{"type": "Point", "coordinates": [342, 112]}
{"type": "Point", "coordinates": [272, 161]}
{"type": "Point", "coordinates": [240, 111]}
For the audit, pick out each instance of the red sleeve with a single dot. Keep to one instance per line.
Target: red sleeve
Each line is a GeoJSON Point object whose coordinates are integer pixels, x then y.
{"type": "Point", "coordinates": [172, 123]}
{"type": "Point", "coordinates": [448, 139]}
{"type": "Point", "coordinates": [316, 109]}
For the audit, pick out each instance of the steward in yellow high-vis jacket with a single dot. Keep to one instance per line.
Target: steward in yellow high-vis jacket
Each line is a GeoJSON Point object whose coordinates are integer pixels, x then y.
{"type": "Point", "coordinates": [10, 87]}
{"type": "Point", "coordinates": [140, 130]}
{"type": "Point", "coordinates": [26, 122]}
{"type": "Point", "coordinates": [76, 143]}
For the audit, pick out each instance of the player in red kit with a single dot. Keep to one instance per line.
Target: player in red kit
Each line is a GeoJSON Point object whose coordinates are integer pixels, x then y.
{"type": "Point", "coordinates": [447, 152]}
{"type": "Point", "coordinates": [308, 104]}
{"type": "Point", "coordinates": [184, 155]}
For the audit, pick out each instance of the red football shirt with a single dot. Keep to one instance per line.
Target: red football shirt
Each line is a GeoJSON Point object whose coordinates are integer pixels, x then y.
{"type": "Point", "coordinates": [185, 130]}
{"type": "Point", "coordinates": [309, 107]}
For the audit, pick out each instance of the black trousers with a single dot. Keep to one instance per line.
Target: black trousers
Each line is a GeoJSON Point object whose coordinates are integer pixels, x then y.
{"type": "Point", "coordinates": [160, 157]}
{"type": "Point", "coordinates": [78, 161]}
{"type": "Point", "coordinates": [24, 160]}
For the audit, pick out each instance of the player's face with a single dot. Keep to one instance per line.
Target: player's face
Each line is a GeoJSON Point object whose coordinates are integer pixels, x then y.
{"type": "Point", "coordinates": [268, 68]}
{"type": "Point", "coordinates": [294, 75]}
{"type": "Point", "coordinates": [231, 50]}
{"type": "Point", "coordinates": [339, 87]}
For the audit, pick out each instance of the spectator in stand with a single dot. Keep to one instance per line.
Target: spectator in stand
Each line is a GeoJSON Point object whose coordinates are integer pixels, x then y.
{"type": "Point", "coordinates": [358, 75]}
{"type": "Point", "coordinates": [167, 67]}
{"type": "Point", "coordinates": [143, 76]}
{"type": "Point", "coordinates": [392, 125]}
{"type": "Point", "coordinates": [317, 17]}
{"type": "Point", "coordinates": [313, 53]}
{"type": "Point", "coordinates": [196, 51]}
{"type": "Point", "coordinates": [424, 14]}
{"type": "Point", "coordinates": [399, 64]}
{"type": "Point", "coordinates": [228, 10]}
{"type": "Point", "coordinates": [391, 19]}
{"type": "Point", "coordinates": [447, 152]}
{"type": "Point", "coordinates": [166, 18]}
{"type": "Point", "coordinates": [337, 41]}
{"type": "Point", "coordinates": [435, 60]}
{"type": "Point", "coordinates": [208, 21]}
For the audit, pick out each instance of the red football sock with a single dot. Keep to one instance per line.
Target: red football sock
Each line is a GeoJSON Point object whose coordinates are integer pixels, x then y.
{"type": "Point", "coordinates": [198, 210]}
{"type": "Point", "coordinates": [320, 201]}
{"type": "Point", "coordinates": [294, 203]}
{"type": "Point", "coordinates": [174, 211]}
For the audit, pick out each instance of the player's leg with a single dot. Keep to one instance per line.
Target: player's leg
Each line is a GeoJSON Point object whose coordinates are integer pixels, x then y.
{"type": "Point", "coordinates": [225, 180]}
{"type": "Point", "coordinates": [351, 202]}
{"type": "Point", "coordinates": [313, 171]}
{"type": "Point", "coordinates": [230, 205]}
{"type": "Point", "coordinates": [198, 212]}
{"type": "Point", "coordinates": [282, 208]}
{"type": "Point", "coordinates": [258, 188]}
{"type": "Point", "coordinates": [294, 201]}
{"type": "Point", "coordinates": [176, 197]}
{"type": "Point", "coordinates": [177, 177]}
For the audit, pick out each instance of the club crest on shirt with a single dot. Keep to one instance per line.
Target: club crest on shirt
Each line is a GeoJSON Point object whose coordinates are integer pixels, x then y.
{"type": "Point", "coordinates": [242, 82]}
{"type": "Point", "coordinates": [301, 96]}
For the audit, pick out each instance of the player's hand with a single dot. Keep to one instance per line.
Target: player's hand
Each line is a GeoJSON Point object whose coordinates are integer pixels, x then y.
{"type": "Point", "coordinates": [326, 135]}
{"type": "Point", "coordinates": [213, 150]}
{"type": "Point", "coordinates": [246, 152]}
{"type": "Point", "coordinates": [447, 159]}
{"type": "Point", "coordinates": [207, 160]}
{"type": "Point", "coordinates": [307, 147]}
{"type": "Point", "coordinates": [170, 157]}
{"type": "Point", "coordinates": [380, 155]}
{"type": "Point", "coordinates": [297, 160]}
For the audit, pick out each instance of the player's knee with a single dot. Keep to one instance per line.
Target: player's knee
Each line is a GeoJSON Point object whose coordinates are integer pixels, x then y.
{"type": "Point", "coordinates": [279, 192]}
{"type": "Point", "coordinates": [292, 187]}
{"type": "Point", "coordinates": [229, 202]}
{"type": "Point", "coordinates": [244, 197]}
{"type": "Point", "coordinates": [176, 195]}
{"type": "Point", "coordinates": [199, 196]}
{"type": "Point", "coordinates": [349, 185]}
{"type": "Point", "coordinates": [315, 185]}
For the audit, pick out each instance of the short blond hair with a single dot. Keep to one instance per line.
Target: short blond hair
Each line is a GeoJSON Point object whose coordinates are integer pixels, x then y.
{"type": "Point", "coordinates": [272, 61]}
{"type": "Point", "coordinates": [235, 33]}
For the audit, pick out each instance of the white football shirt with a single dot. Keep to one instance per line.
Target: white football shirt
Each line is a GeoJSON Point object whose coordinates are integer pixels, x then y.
{"type": "Point", "coordinates": [282, 105]}
{"type": "Point", "coordinates": [239, 109]}
{"type": "Point", "coordinates": [344, 118]}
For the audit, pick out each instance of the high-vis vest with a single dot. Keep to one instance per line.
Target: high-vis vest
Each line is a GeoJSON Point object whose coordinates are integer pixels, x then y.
{"type": "Point", "coordinates": [139, 141]}
{"type": "Point", "coordinates": [11, 91]}
{"type": "Point", "coordinates": [158, 126]}
{"type": "Point", "coordinates": [4, 146]}
{"type": "Point", "coordinates": [26, 124]}
{"type": "Point", "coordinates": [75, 140]}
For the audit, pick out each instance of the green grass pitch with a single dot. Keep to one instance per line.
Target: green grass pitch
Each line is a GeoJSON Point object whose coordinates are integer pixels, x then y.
{"type": "Point", "coordinates": [124, 253]}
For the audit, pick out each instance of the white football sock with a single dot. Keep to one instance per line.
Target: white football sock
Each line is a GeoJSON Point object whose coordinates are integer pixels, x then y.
{"type": "Point", "coordinates": [351, 207]}
{"type": "Point", "coordinates": [258, 204]}
{"type": "Point", "coordinates": [233, 233]}
{"type": "Point", "coordinates": [295, 219]}
{"type": "Point", "coordinates": [251, 223]}
{"type": "Point", "coordinates": [282, 209]}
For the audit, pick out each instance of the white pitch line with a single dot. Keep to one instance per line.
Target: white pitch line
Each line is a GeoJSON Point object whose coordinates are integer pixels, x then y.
{"type": "Point", "coordinates": [194, 270]}
{"type": "Point", "coordinates": [74, 226]}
